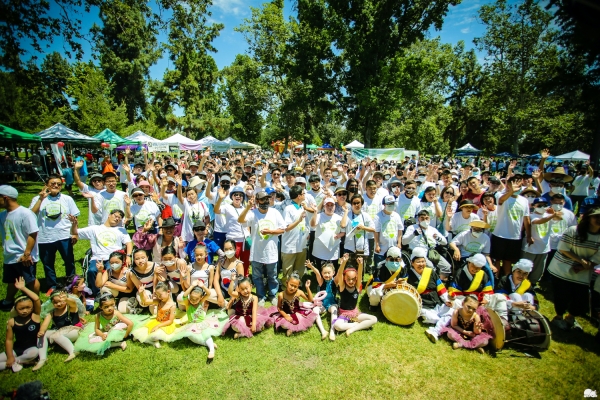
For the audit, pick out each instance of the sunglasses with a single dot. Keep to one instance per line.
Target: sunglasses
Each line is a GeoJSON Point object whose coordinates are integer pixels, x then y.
{"type": "Point", "coordinates": [199, 228]}
{"type": "Point", "coordinates": [236, 195]}
{"type": "Point", "coordinates": [341, 194]}
{"type": "Point", "coordinates": [138, 195]}
{"type": "Point", "coordinates": [55, 184]}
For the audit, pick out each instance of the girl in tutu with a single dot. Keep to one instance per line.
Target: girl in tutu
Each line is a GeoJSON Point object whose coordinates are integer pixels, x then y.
{"type": "Point", "coordinates": [247, 318]}
{"type": "Point", "coordinates": [64, 315]}
{"type": "Point", "coordinates": [288, 313]}
{"type": "Point", "coordinates": [79, 289]}
{"type": "Point", "coordinates": [465, 327]}
{"type": "Point", "coordinates": [329, 303]}
{"type": "Point", "coordinates": [163, 326]}
{"type": "Point", "coordinates": [201, 326]}
{"type": "Point", "coordinates": [109, 330]}
{"type": "Point", "coordinates": [22, 330]}
{"type": "Point", "coordinates": [350, 318]}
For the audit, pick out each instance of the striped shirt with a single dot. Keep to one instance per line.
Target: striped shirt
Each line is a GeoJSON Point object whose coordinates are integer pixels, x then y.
{"type": "Point", "coordinates": [561, 265]}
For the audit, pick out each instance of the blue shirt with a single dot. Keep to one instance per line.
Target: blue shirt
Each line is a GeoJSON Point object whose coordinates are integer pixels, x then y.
{"type": "Point", "coordinates": [68, 174]}
{"type": "Point", "coordinates": [568, 202]}
{"type": "Point", "coordinates": [84, 171]}
{"type": "Point", "coordinates": [210, 246]}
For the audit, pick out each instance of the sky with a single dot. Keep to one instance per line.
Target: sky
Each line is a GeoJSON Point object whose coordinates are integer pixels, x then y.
{"type": "Point", "coordinates": [460, 24]}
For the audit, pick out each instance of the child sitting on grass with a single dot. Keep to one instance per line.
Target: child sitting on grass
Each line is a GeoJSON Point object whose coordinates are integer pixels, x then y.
{"type": "Point", "coordinates": [465, 328]}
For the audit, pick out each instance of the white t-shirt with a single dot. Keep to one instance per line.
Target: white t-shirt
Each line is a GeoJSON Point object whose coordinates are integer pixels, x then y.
{"type": "Point", "coordinates": [557, 227]}
{"type": "Point", "coordinates": [294, 241]}
{"type": "Point", "coordinates": [111, 202]}
{"type": "Point", "coordinates": [414, 241]}
{"type": "Point", "coordinates": [142, 213]}
{"type": "Point", "coordinates": [382, 192]}
{"type": "Point", "coordinates": [264, 248]}
{"type": "Point", "coordinates": [220, 221]}
{"type": "Point", "coordinates": [469, 244]}
{"type": "Point", "coordinates": [430, 207]}
{"type": "Point", "coordinates": [232, 226]}
{"type": "Point", "coordinates": [192, 214]}
{"type": "Point", "coordinates": [581, 185]}
{"type": "Point", "coordinates": [172, 201]}
{"type": "Point", "coordinates": [358, 239]}
{"type": "Point", "coordinates": [93, 219]}
{"type": "Point", "coordinates": [510, 217]}
{"type": "Point", "coordinates": [460, 224]}
{"type": "Point", "coordinates": [372, 207]}
{"type": "Point", "coordinates": [492, 219]}
{"type": "Point", "coordinates": [15, 227]}
{"type": "Point", "coordinates": [327, 226]}
{"type": "Point", "coordinates": [389, 228]}
{"type": "Point", "coordinates": [408, 208]}
{"type": "Point", "coordinates": [104, 240]}
{"type": "Point", "coordinates": [59, 228]}
{"type": "Point", "coordinates": [540, 234]}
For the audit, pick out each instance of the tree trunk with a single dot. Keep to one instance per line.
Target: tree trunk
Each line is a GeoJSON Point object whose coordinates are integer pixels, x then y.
{"type": "Point", "coordinates": [595, 153]}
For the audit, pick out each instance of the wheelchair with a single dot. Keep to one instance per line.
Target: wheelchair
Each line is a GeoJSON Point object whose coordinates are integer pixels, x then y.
{"type": "Point", "coordinates": [444, 253]}
{"type": "Point", "coordinates": [85, 264]}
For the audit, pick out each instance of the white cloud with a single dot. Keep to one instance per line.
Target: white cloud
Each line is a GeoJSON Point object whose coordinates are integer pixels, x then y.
{"type": "Point", "coordinates": [464, 21]}
{"type": "Point", "coordinates": [234, 7]}
{"type": "Point", "coordinates": [465, 30]}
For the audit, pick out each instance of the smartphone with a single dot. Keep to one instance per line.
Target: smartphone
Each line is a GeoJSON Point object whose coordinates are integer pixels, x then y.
{"type": "Point", "coordinates": [40, 341]}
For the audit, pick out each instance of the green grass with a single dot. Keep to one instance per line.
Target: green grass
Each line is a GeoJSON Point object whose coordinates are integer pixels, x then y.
{"type": "Point", "coordinates": [385, 362]}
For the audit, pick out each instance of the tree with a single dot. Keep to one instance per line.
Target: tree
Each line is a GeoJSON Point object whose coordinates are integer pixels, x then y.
{"type": "Point", "coordinates": [369, 36]}
{"type": "Point", "coordinates": [127, 48]}
{"type": "Point", "coordinates": [94, 108]}
{"type": "Point", "coordinates": [246, 96]}
{"type": "Point", "coordinates": [191, 85]}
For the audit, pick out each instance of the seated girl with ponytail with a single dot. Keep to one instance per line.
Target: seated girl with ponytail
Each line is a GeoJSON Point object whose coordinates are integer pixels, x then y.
{"type": "Point", "coordinates": [246, 316]}
{"type": "Point", "coordinates": [171, 269]}
{"type": "Point", "coordinates": [117, 281]}
{"type": "Point", "coordinates": [163, 326]}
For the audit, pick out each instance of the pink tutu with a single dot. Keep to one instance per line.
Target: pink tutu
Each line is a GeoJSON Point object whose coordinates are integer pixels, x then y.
{"type": "Point", "coordinates": [302, 319]}
{"type": "Point", "coordinates": [478, 341]}
{"type": "Point", "coordinates": [243, 323]}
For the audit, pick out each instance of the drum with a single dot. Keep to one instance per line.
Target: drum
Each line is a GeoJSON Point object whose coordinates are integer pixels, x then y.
{"type": "Point", "coordinates": [528, 329]}
{"type": "Point", "coordinates": [401, 306]}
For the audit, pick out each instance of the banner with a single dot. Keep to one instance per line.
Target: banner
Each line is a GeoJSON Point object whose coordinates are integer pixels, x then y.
{"type": "Point", "coordinates": [59, 156]}
{"type": "Point", "coordinates": [158, 147]}
{"type": "Point", "coordinates": [379, 154]}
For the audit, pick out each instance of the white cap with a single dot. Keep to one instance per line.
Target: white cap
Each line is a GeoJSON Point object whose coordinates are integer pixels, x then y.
{"type": "Point", "coordinates": [9, 191]}
{"type": "Point", "coordinates": [478, 260]}
{"type": "Point", "coordinates": [418, 252]}
{"type": "Point", "coordinates": [524, 265]}
{"type": "Point", "coordinates": [394, 252]}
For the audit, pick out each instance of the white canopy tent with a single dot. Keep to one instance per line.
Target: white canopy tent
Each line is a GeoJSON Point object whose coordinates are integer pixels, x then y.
{"type": "Point", "coordinates": [574, 156]}
{"type": "Point", "coordinates": [355, 144]}
{"type": "Point", "coordinates": [234, 144]}
{"type": "Point", "coordinates": [179, 139]}
{"type": "Point", "coordinates": [214, 143]}
{"type": "Point", "coordinates": [251, 145]}
{"type": "Point", "coordinates": [140, 136]}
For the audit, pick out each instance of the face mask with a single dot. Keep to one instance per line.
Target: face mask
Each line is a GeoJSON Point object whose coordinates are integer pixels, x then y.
{"type": "Point", "coordinates": [335, 174]}
{"type": "Point", "coordinates": [168, 263]}
{"type": "Point", "coordinates": [163, 175]}
{"type": "Point", "coordinates": [530, 200]}
{"type": "Point", "coordinates": [540, 210]}
{"type": "Point", "coordinates": [390, 207]}
{"type": "Point", "coordinates": [353, 189]}
{"type": "Point", "coordinates": [263, 206]}
{"type": "Point", "coordinates": [557, 190]}
{"type": "Point", "coordinates": [230, 253]}
{"type": "Point", "coordinates": [116, 266]}
{"type": "Point", "coordinates": [424, 224]}
{"type": "Point", "coordinates": [557, 207]}
{"type": "Point", "coordinates": [392, 265]}
{"type": "Point", "coordinates": [249, 193]}
{"type": "Point", "coordinates": [422, 178]}
{"type": "Point", "coordinates": [476, 234]}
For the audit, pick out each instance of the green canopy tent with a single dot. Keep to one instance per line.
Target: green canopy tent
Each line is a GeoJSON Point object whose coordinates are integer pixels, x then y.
{"type": "Point", "coordinates": [109, 136]}
{"type": "Point", "coordinates": [12, 135]}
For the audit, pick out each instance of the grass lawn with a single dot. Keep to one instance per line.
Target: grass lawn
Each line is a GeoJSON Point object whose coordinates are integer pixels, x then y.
{"type": "Point", "coordinates": [386, 362]}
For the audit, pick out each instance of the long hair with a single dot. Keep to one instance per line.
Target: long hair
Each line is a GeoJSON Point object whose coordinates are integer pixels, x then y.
{"type": "Point", "coordinates": [584, 225]}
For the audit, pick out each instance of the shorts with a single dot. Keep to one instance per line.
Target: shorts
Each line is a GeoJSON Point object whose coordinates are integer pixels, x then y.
{"type": "Point", "coordinates": [506, 249]}
{"type": "Point", "coordinates": [14, 271]}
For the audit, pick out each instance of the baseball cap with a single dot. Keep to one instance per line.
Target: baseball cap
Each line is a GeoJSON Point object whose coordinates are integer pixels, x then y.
{"type": "Point", "coordinates": [539, 200]}
{"type": "Point", "coordinates": [269, 191]}
{"type": "Point", "coordinates": [262, 194]}
{"type": "Point", "coordinates": [300, 179]}
{"type": "Point", "coordinates": [328, 200]}
{"type": "Point", "coordinates": [388, 200]}
{"type": "Point", "coordinates": [9, 191]}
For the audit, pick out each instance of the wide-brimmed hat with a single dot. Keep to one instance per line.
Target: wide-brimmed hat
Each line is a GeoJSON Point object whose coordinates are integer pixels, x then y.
{"type": "Point", "coordinates": [467, 203]}
{"type": "Point", "coordinates": [530, 189]}
{"type": "Point", "coordinates": [479, 224]}
{"type": "Point", "coordinates": [168, 223]}
{"type": "Point", "coordinates": [558, 173]}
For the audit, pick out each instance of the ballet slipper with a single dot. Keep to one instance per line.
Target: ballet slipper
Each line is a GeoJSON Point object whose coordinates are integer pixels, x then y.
{"type": "Point", "coordinates": [39, 364]}
{"type": "Point", "coordinates": [71, 356]}
{"type": "Point", "coordinates": [456, 345]}
{"type": "Point", "coordinates": [324, 336]}
{"type": "Point", "coordinates": [157, 344]}
{"type": "Point", "coordinates": [480, 350]}
{"type": "Point", "coordinates": [332, 336]}
{"type": "Point", "coordinates": [289, 333]}
{"type": "Point", "coordinates": [123, 345]}
{"type": "Point", "coordinates": [236, 336]}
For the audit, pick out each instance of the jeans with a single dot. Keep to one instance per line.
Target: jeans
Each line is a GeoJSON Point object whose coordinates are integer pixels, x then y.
{"type": "Point", "coordinates": [48, 257]}
{"type": "Point", "coordinates": [259, 270]}
{"type": "Point", "coordinates": [92, 271]}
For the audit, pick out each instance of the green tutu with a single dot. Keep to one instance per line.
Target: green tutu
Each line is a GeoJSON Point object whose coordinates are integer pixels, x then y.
{"type": "Point", "coordinates": [199, 332]}
{"type": "Point", "coordinates": [90, 342]}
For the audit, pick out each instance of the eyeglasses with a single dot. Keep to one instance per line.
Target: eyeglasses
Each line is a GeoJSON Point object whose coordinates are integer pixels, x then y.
{"type": "Point", "coordinates": [395, 186]}
{"type": "Point", "coordinates": [276, 174]}
{"type": "Point", "coordinates": [357, 203]}
{"type": "Point", "coordinates": [55, 183]}
{"type": "Point", "coordinates": [236, 195]}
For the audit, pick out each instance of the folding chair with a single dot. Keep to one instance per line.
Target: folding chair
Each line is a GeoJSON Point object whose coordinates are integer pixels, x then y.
{"type": "Point", "coordinates": [41, 174]}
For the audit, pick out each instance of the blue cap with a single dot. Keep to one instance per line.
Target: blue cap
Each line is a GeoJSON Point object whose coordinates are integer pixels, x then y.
{"type": "Point", "coordinates": [538, 200]}
{"type": "Point", "coordinates": [269, 191]}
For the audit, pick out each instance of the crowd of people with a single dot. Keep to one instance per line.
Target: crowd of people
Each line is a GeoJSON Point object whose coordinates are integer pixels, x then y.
{"type": "Point", "coordinates": [197, 245]}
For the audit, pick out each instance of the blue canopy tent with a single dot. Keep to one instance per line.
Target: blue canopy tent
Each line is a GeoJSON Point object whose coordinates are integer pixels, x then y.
{"type": "Point", "coordinates": [467, 150]}
{"type": "Point", "coordinates": [60, 133]}
{"type": "Point", "coordinates": [506, 154]}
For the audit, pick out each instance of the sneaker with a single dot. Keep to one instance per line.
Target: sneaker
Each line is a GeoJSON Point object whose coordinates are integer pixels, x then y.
{"type": "Point", "coordinates": [273, 300]}
{"type": "Point", "coordinates": [560, 324]}
{"type": "Point", "coordinates": [432, 336]}
{"type": "Point", "coordinates": [261, 303]}
{"type": "Point", "coordinates": [6, 305]}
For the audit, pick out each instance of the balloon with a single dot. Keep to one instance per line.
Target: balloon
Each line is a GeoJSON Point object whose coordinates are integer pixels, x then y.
{"type": "Point", "coordinates": [113, 146]}
{"type": "Point", "coordinates": [105, 145]}
{"type": "Point", "coordinates": [60, 144]}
